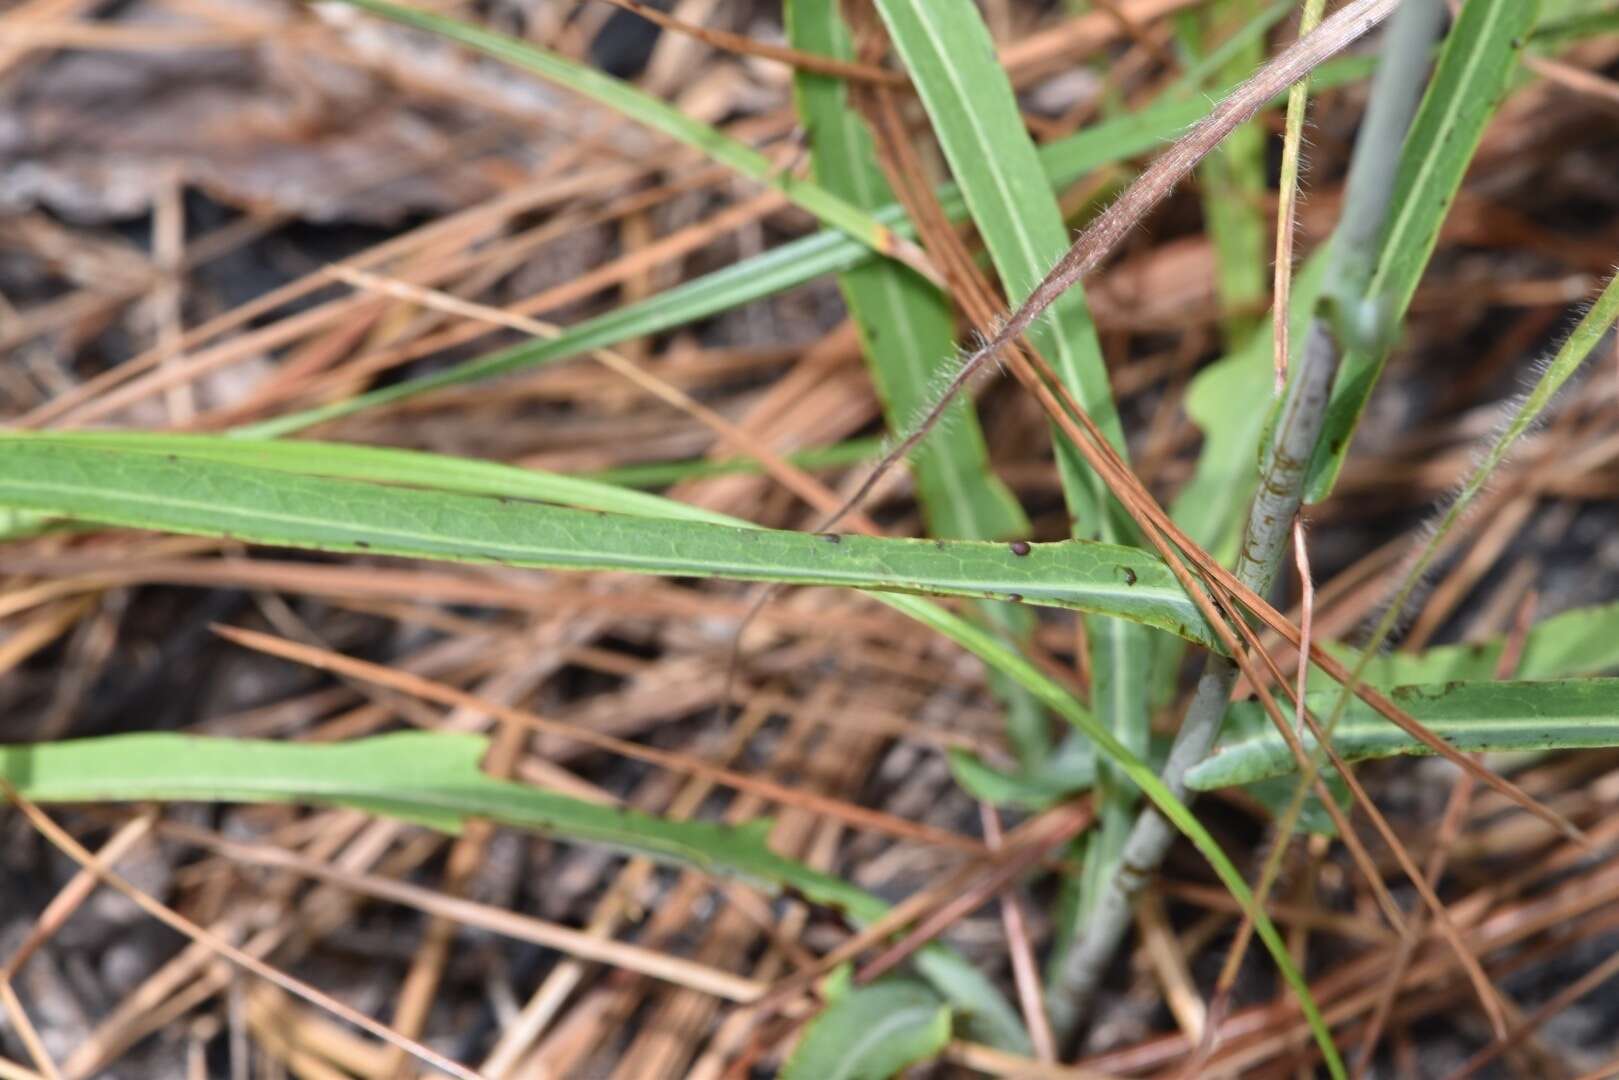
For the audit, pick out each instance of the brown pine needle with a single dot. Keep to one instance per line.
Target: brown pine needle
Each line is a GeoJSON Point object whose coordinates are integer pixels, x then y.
{"type": "Point", "coordinates": [850, 814]}
{"type": "Point", "coordinates": [743, 45]}
{"type": "Point", "coordinates": [70, 847]}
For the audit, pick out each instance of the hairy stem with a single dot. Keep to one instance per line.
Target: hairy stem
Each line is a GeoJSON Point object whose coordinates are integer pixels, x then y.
{"type": "Point", "coordinates": [1395, 95]}
{"type": "Point", "coordinates": [1274, 507]}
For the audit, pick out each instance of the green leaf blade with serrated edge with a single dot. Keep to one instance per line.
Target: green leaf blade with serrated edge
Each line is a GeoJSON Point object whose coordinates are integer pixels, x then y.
{"type": "Point", "coordinates": [1485, 716]}
{"type": "Point", "coordinates": [872, 1033]}
{"type": "Point", "coordinates": [1475, 69]}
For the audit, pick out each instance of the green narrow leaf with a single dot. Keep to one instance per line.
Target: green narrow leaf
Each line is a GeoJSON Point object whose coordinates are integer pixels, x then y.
{"type": "Point", "coordinates": [1562, 715]}
{"type": "Point", "coordinates": [196, 495]}
{"type": "Point", "coordinates": [905, 326]}
{"type": "Point", "coordinates": [904, 322]}
{"type": "Point", "coordinates": [645, 109]}
{"type": "Point", "coordinates": [1069, 770]}
{"type": "Point", "coordinates": [1474, 72]}
{"type": "Point", "coordinates": [433, 779]}
{"type": "Point", "coordinates": [975, 116]}
{"type": "Point", "coordinates": [872, 1033]}
{"type": "Point", "coordinates": [429, 778]}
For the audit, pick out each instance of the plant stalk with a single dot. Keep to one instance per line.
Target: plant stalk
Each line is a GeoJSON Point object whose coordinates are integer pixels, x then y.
{"type": "Point", "coordinates": [1396, 93]}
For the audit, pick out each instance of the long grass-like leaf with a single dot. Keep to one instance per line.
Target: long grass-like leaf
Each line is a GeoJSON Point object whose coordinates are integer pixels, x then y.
{"type": "Point", "coordinates": [904, 322]}
{"type": "Point", "coordinates": [1474, 71]}
{"type": "Point", "coordinates": [975, 116]}
{"type": "Point", "coordinates": [430, 778]}
{"type": "Point", "coordinates": [434, 779]}
{"type": "Point", "coordinates": [1561, 715]}
{"type": "Point", "coordinates": [285, 505]}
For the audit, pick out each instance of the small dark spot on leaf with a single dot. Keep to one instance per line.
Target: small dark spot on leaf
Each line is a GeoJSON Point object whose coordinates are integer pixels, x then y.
{"type": "Point", "coordinates": [1016, 598]}
{"type": "Point", "coordinates": [174, 459]}
{"type": "Point", "coordinates": [361, 544]}
{"type": "Point", "coordinates": [1021, 547]}
{"type": "Point", "coordinates": [1129, 575]}
{"type": "Point", "coordinates": [939, 544]}
{"type": "Point", "coordinates": [832, 538]}
{"type": "Point", "coordinates": [502, 500]}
